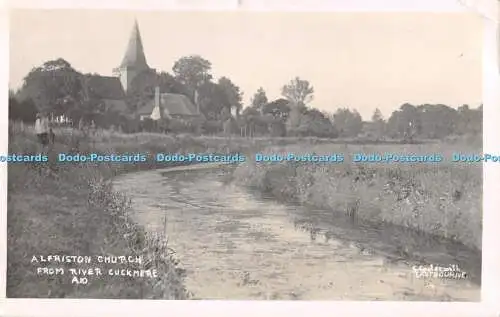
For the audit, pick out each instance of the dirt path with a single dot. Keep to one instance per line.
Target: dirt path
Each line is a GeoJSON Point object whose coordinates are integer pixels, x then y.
{"type": "Point", "coordinates": [236, 246]}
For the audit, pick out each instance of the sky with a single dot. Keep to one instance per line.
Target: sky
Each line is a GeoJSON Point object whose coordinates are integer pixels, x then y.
{"type": "Point", "coordinates": [358, 60]}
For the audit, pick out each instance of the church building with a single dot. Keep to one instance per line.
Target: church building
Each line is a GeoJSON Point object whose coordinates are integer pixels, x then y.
{"type": "Point", "coordinates": [112, 90]}
{"type": "Point", "coordinates": [134, 61]}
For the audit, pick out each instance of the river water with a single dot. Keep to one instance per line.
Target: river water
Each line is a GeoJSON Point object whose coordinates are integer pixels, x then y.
{"type": "Point", "coordinates": [238, 244]}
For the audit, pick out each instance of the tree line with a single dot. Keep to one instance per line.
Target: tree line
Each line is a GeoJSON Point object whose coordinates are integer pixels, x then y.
{"type": "Point", "coordinates": [56, 87]}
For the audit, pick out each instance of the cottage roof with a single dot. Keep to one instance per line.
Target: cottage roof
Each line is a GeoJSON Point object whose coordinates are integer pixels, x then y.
{"type": "Point", "coordinates": [177, 104]}
{"type": "Point", "coordinates": [103, 87]}
{"type": "Point", "coordinates": [171, 104]}
{"type": "Point", "coordinates": [116, 106]}
{"type": "Point", "coordinates": [147, 109]}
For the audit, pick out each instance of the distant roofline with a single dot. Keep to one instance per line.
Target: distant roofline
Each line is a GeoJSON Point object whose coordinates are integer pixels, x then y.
{"type": "Point", "coordinates": [117, 70]}
{"type": "Point", "coordinates": [101, 76]}
{"type": "Point", "coordinates": [149, 105]}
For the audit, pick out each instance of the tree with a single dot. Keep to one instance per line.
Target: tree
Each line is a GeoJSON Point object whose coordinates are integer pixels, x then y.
{"type": "Point", "coordinates": [396, 125]}
{"type": "Point", "coordinates": [411, 116]}
{"type": "Point", "coordinates": [437, 121]}
{"type": "Point", "coordinates": [217, 99]}
{"type": "Point", "coordinates": [298, 91]}
{"type": "Point", "coordinates": [377, 116]}
{"type": "Point", "coordinates": [405, 122]}
{"type": "Point", "coordinates": [463, 109]}
{"type": "Point", "coordinates": [170, 84]}
{"type": "Point", "coordinates": [250, 115]}
{"type": "Point", "coordinates": [142, 89]}
{"type": "Point", "coordinates": [469, 121]}
{"type": "Point", "coordinates": [21, 111]}
{"type": "Point", "coordinates": [279, 108]}
{"type": "Point", "coordinates": [378, 123]}
{"type": "Point", "coordinates": [348, 123]}
{"type": "Point", "coordinates": [90, 110]}
{"type": "Point", "coordinates": [477, 120]}
{"type": "Point", "coordinates": [259, 99]}
{"type": "Point", "coordinates": [53, 87]}
{"type": "Point", "coordinates": [213, 100]}
{"type": "Point", "coordinates": [294, 118]}
{"type": "Point", "coordinates": [232, 94]}
{"type": "Point", "coordinates": [315, 123]}
{"type": "Point", "coordinates": [254, 122]}
{"type": "Point", "coordinates": [192, 71]}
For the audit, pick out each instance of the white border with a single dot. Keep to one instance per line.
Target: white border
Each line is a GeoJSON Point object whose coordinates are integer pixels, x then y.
{"type": "Point", "coordinates": [491, 255]}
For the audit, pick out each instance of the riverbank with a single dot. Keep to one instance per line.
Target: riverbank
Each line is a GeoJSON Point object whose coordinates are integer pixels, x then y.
{"type": "Point", "coordinates": [71, 209]}
{"type": "Point", "coordinates": [444, 200]}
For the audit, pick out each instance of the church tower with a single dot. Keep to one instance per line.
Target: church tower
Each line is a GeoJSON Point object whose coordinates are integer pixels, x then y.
{"type": "Point", "coordinates": [134, 61]}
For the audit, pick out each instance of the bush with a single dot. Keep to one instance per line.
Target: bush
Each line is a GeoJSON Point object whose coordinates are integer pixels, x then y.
{"type": "Point", "coordinates": [180, 126]}
{"type": "Point", "coordinates": [212, 127]}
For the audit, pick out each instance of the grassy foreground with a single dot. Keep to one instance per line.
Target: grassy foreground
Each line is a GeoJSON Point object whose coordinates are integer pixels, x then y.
{"type": "Point", "coordinates": [71, 209]}
{"type": "Point", "coordinates": [443, 200]}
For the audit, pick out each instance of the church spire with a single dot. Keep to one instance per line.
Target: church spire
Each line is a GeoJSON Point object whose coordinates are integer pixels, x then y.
{"type": "Point", "coordinates": [134, 56]}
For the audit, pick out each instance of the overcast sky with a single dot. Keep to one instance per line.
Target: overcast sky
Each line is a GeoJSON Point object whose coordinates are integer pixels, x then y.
{"type": "Point", "coordinates": [355, 60]}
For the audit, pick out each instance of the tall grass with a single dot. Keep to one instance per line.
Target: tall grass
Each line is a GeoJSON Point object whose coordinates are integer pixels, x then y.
{"type": "Point", "coordinates": [443, 199]}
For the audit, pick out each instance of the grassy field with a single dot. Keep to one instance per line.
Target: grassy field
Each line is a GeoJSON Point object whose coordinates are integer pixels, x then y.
{"type": "Point", "coordinates": [72, 209]}
{"type": "Point", "coordinates": [443, 200]}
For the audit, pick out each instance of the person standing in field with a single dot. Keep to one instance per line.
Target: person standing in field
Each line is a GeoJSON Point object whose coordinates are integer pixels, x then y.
{"type": "Point", "coordinates": [52, 136]}
{"type": "Point", "coordinates": [42, 128]}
